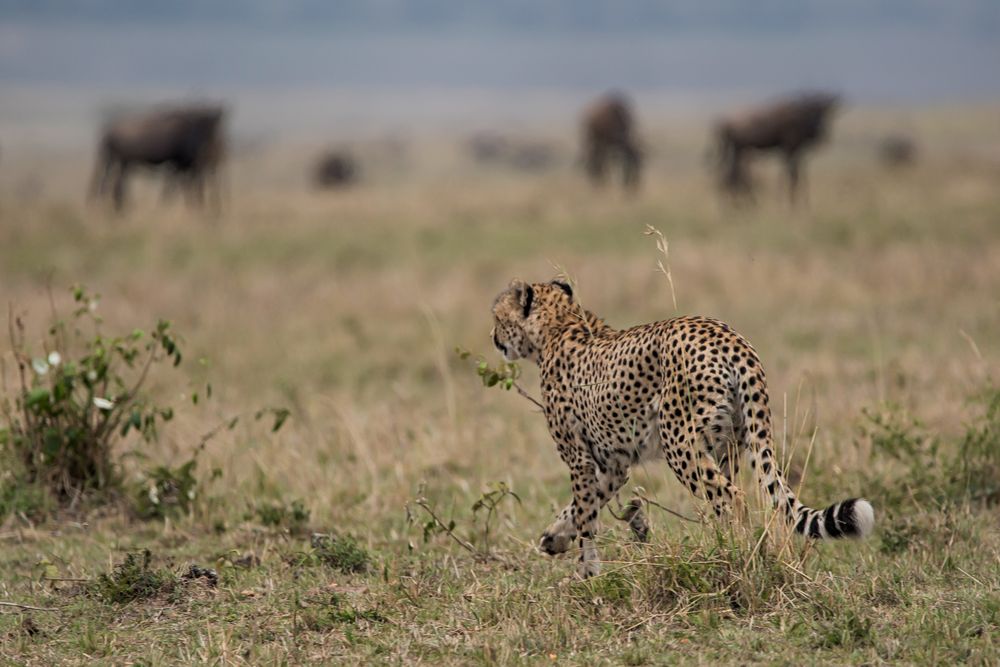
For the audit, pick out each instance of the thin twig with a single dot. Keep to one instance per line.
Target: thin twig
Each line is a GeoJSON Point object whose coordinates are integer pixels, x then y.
{"type": "Point", "coordinates": [972, 344]}
{"type": "Point", "coordinates": [972, 577]}
{"type": "Point", "coordinates": [528, 396]}
{"type": "Point", "coordinates": [18, 605]}
{"type": "Point", "coordinates": [214, 431]}
{"type": "Point", "coordinates": [110, 423]}
{"type": "Point", "coordinates": [665, 509]}
{"type": "Point", "coordinates": [420, 502]}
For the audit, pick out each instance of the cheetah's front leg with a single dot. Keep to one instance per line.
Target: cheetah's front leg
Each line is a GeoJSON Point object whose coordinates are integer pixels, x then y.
{"type": "Point", "coordinates": [561, 533]}
{"type": "Point", "coordinates": [588, 502]}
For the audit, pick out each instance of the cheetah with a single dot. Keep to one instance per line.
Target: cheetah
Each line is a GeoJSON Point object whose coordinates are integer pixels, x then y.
{"type": "Point", "coordinates": [688, 389]}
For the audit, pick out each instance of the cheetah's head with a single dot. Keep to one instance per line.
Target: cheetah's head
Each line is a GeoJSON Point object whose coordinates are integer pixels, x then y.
{"type": "Point", "coordinates": [522, 314]}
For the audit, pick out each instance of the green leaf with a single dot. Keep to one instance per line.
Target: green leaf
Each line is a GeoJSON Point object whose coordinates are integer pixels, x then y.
{"type": "Point", "coordinates": [37, 397]}
{"type": "Point", "coordinates": [52, 443]}
{"type": "Point", "coordinates": [280, 416]}
{"type": "Point", "coordinates": [134, 422]}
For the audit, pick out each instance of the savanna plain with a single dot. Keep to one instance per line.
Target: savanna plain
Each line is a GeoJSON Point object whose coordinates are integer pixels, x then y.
{"type": "Point", "coordinates": [359, 496]}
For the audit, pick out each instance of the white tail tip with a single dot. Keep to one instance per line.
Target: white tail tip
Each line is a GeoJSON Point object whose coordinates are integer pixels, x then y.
{"type": "Point", "coordinates": [864, 517]}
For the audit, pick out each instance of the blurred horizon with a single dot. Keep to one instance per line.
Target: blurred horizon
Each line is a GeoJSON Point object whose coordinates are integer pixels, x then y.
{"type": "Point", "coordinates": [887, 52]}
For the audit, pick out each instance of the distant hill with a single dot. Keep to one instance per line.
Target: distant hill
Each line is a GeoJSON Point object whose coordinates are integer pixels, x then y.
{"type": "Point", "coordinates": [884, 50]}
{"type": "Point", "coordinates": [738, 16]}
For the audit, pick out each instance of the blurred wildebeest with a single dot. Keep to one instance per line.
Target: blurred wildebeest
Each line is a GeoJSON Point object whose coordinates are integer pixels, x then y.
{"type": "Point", "coordinates": [789, 126]}
{"type": "Point", "coordinates": [487, 147]}
{"type": "Point", "coordinates": [533, 156]}
{"type": "Point", "coordinates": [897, 150]}
{"type": "Point", "coordinates": [519, 153]}
{"type": "Point", "coordinates": [186, 143]}
{"type": "Point", "coordinates": [335, 169]}
{"type": "Point", "coordinates": [609, 134]}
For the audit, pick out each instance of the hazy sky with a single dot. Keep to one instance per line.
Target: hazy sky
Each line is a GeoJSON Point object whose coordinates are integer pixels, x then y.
{"type": "Point", "coordinates": [877, 51]}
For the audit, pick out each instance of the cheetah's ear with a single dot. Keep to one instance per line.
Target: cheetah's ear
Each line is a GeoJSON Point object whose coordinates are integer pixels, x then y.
{"type": "Point", "coordinates": [564, 287]}
{"type": "Point", "coordinates": [526, 296]}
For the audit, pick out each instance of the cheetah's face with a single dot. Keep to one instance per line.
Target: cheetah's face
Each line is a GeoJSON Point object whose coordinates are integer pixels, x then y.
{"type": "Point", "coordinates": [521, 313]}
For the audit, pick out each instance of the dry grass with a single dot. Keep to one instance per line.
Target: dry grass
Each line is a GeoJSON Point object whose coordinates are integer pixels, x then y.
{"type": "Point", "coordinates": [346, 307]}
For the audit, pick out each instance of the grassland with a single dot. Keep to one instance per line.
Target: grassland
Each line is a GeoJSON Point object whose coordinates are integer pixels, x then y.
{"type": "Point", "coordinates": [877, 304]}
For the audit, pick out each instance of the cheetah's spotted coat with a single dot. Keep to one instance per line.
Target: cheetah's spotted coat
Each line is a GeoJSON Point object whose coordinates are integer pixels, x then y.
{"type": "Point", "coordinates": [689, 389]}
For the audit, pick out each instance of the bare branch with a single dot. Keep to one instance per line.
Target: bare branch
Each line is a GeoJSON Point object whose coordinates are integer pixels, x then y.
{"type": "Point", "coordinates": [665, 509]}
{"type": "Point", "coordinates": [28, 607]}
{"type": "Point", "coordinates": [528, 396]}
{"type": "Point", "coordinates": [420, 502]}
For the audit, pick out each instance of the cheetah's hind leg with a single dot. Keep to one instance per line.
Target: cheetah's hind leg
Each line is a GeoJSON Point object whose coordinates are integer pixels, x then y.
{"type": "Point", "coordinates": [636, 519]}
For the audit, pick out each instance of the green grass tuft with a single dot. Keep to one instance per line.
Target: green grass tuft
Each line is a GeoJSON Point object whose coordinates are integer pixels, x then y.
{"type": "Point", "coordinates": [133, 579]}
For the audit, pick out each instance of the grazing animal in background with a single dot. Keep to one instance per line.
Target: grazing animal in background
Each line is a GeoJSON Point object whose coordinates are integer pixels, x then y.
{"type": "Point", "coordinates": [488, 147]}
{"type": "Point", "coordinates": [897, 150]}
{"type": "Point", "coordinates": [689, 389]}
{"type": "Point", "coordinates": [335, 169]}
{"type": "Point", "coordinates": [608, 135]}
{"type": "Point", "coordinates": [790, 127]}
{"type": "Point", "coordinates": [186, 143]}
{"type": "Point", "coordinates": [517, 153]}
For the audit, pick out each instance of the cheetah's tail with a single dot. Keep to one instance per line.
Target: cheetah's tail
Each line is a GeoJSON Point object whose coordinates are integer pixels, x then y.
{"type": "Point", "coordinates": [849, 518]}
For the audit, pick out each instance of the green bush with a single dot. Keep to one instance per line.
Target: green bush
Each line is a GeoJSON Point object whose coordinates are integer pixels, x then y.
{"type": "Point", "coordinates": [325, 617]}
{"type": "Point", "coordinates": [337, 551]}
{"type": "Point", "coordinates": [929, 473]}
{"type": "Point", "coordinates": [976, 469]}
{"type": "Point", "coordinates": [166, 491]}
{"type": "Point", "coordinates": [78, 398]}
{"type": "Point", "coordinates": [26, 500]}
{"type": "Point", "coordinates": [276, 514]}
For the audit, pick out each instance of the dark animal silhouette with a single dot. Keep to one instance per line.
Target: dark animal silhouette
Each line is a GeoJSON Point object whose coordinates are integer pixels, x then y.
{"type": "Point", "coordinates": [609, 134]}
{"type": "Point", "coordinates": [533, 156]}
{"type": "Point", "coordinates": [898, 150]}
{"type": "Point", "coordinates": [488, 147]}
{"type": "Point", "coordinates": [186, 143]}
{"type": "Point", "coordinates": [790, 127]}
{"type": "Point", "coordinates": [335, 169]}
{"type": "Point", "coordinates": [518, 153]}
